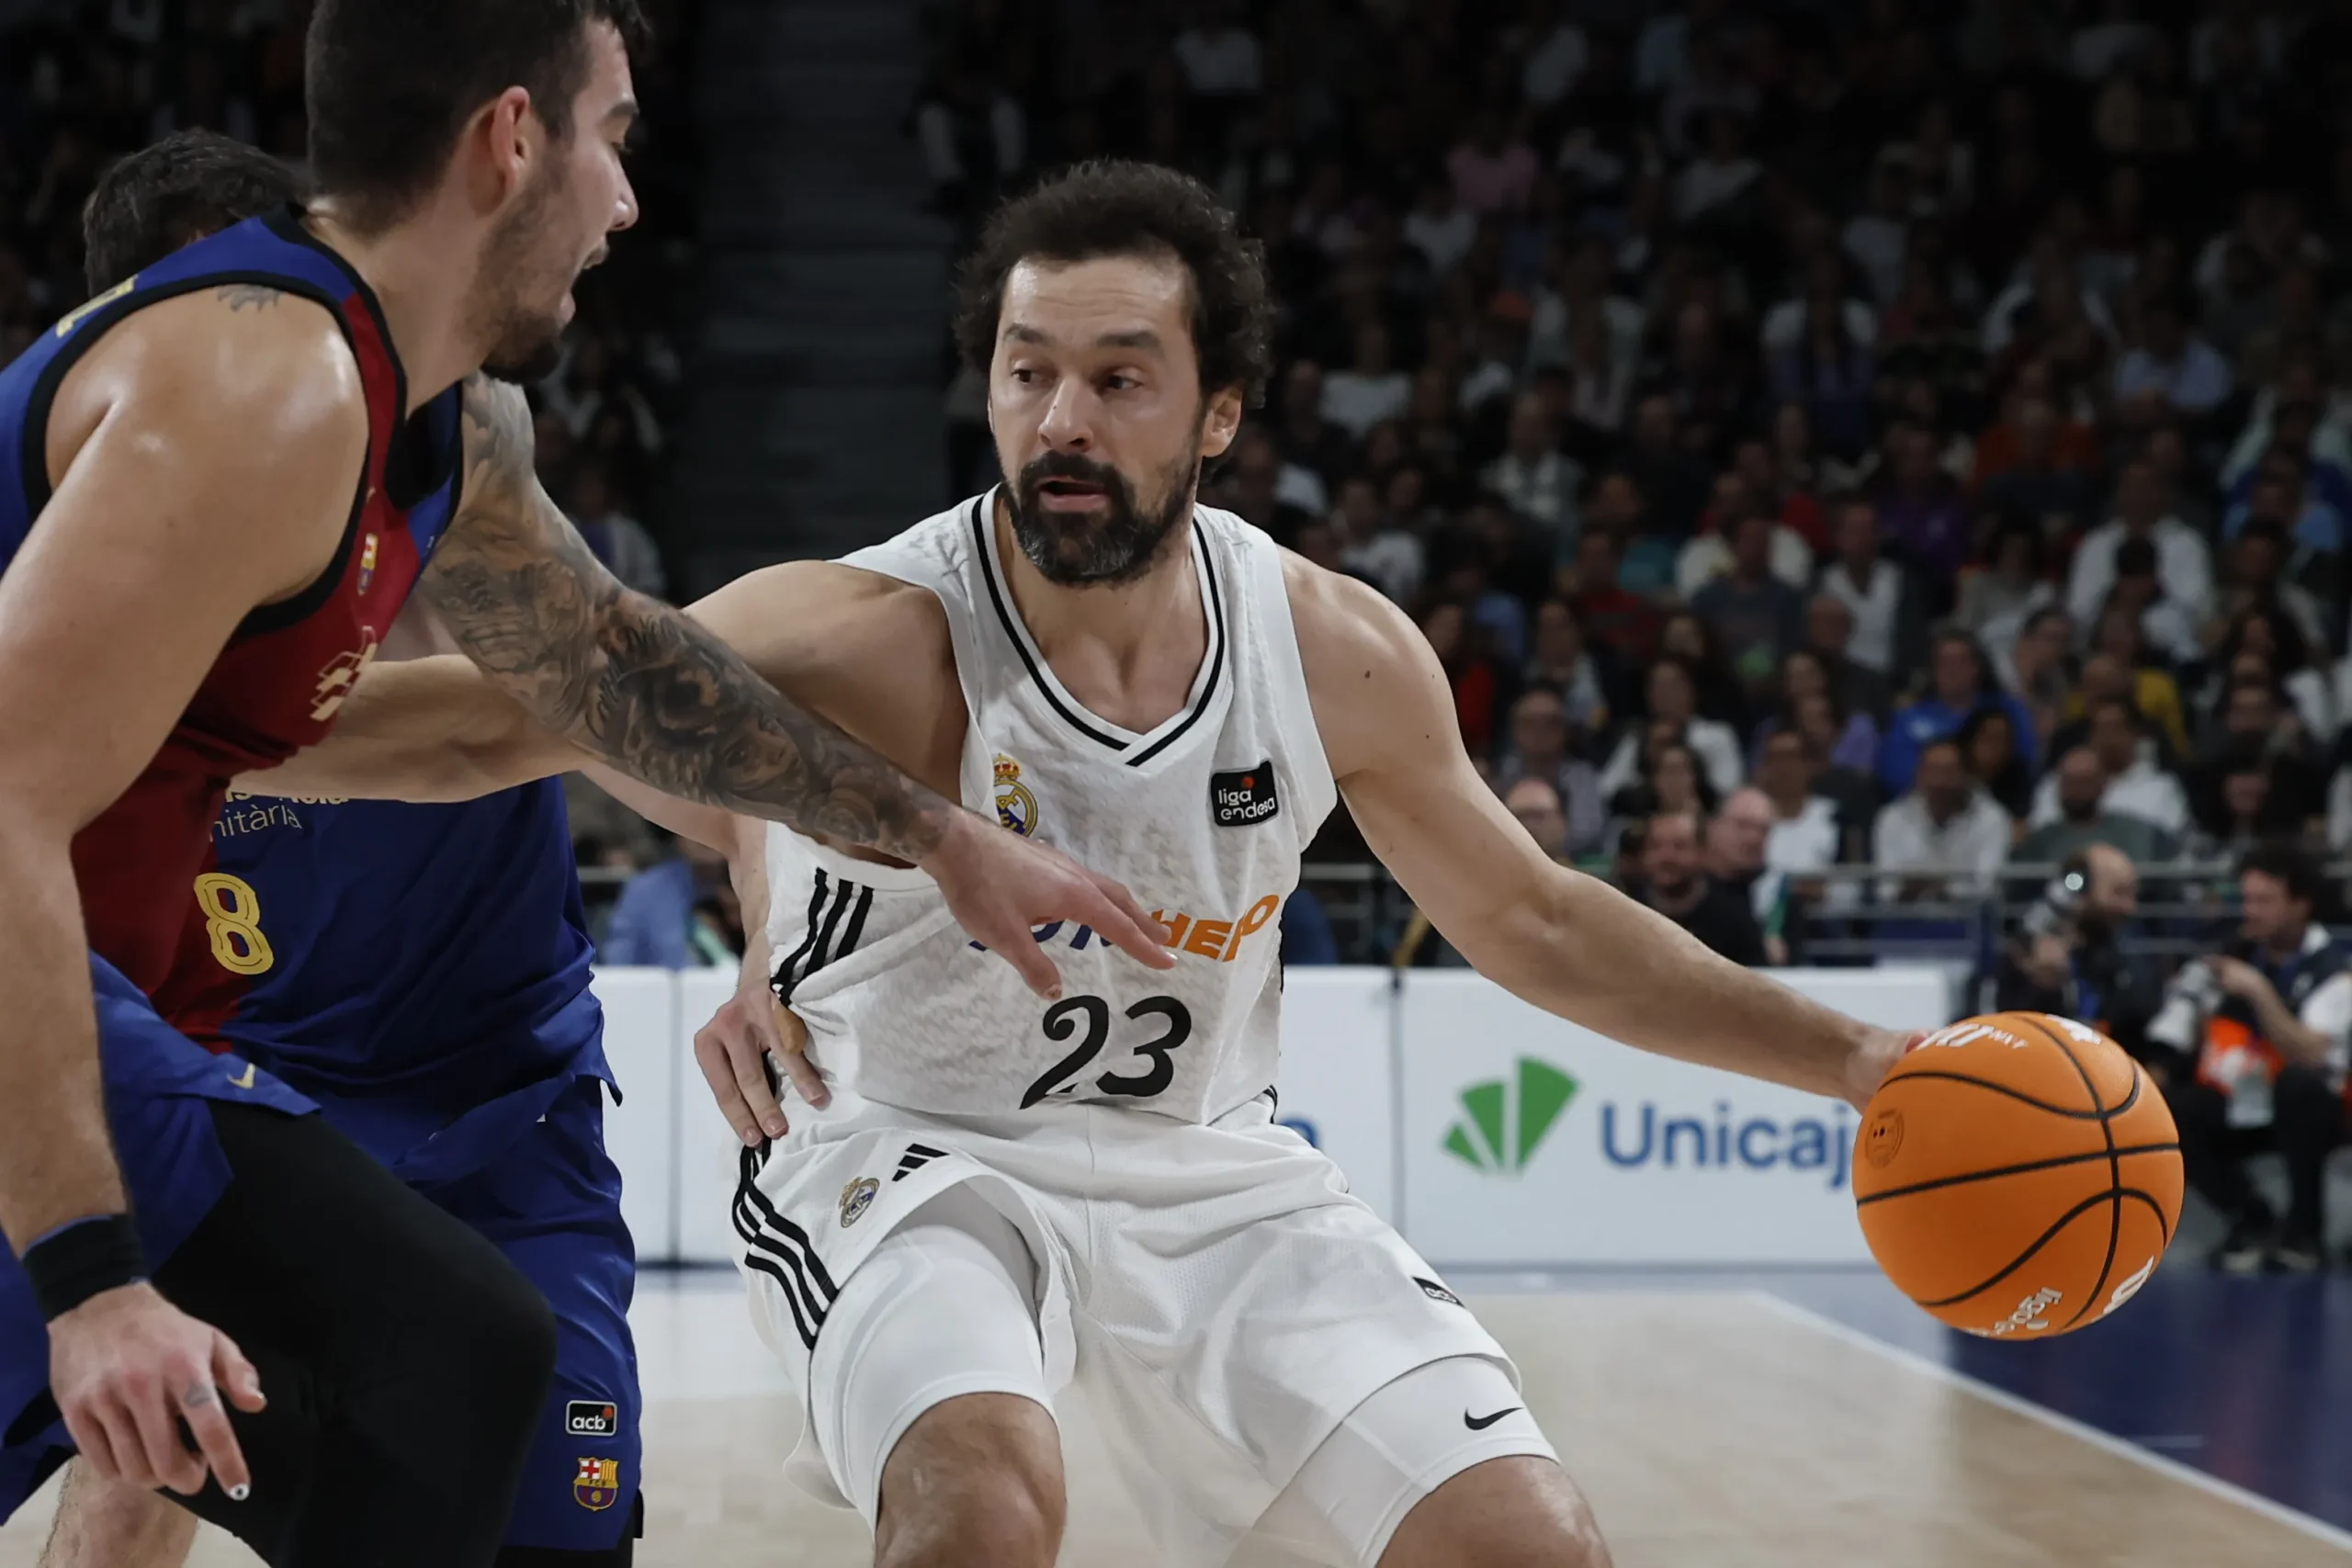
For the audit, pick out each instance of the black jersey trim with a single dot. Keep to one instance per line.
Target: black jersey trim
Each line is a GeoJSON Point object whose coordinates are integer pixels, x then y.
{"type": "Point", "coordinates": [1217, 655]}
{"type": "Point", "coordinates": [287, 224]}
{"type": "Point", "coordinates": [1012, 632]}
{"type": "Point", "coordinates": [1018, 636]}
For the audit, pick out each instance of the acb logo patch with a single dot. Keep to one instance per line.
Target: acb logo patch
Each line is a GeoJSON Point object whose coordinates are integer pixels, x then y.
{"type": "Point", "coordinates": [598, 1485]}
{"type": "Point", "coordinates": [592, 1418]}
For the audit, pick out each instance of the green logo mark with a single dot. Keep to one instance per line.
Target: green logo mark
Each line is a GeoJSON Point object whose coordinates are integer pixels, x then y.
{"type": "Point", "coordinates": [1503, 1122]}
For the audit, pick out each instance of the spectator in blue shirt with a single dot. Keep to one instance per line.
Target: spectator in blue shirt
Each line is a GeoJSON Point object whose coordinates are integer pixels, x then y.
{"type": "Point", "coordinates": [1960, 682]}
{"type": "Point", "coordinates": [1306, 931]}
{"type": "Point", "coordinates": [655, 921]}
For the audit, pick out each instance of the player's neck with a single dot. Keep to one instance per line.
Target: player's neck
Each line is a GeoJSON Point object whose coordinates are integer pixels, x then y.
{"type": "Point", "coordinates": [1130, 652]}
{"type": "Point", "coordinates": [408, 268]}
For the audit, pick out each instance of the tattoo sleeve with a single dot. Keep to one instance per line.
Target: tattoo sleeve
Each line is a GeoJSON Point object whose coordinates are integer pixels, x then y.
{"type": "Point", "coordinates": [633, 680]}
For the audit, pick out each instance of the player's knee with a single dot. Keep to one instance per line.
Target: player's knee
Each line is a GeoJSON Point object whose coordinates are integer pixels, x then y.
{"type": "Point", "coordinates": [489, 1335]}
{"type": "Point", "coordinates": [514, 1335]}
{"type": "Point", "coordinates": [1515, 1512]}
{"type": "Point", "coordinates": [975, 1481]}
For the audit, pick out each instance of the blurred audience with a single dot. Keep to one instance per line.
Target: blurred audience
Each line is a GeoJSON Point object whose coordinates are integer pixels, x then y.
{"type": "Point", "coordinates": [1675, 882]}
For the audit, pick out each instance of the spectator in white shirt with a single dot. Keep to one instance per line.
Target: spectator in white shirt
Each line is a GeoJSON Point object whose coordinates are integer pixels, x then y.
{"type": "Point", "coordinates": [1717, 177]}
{"type": "Point", "coordinates": [1870, 587]}
{"type": "Point", "coordinates": [1556, 54]}
{"type": "Point", "coordinates": [1376, 546]}
{"type": "Point", "coordinates": [2183, 564]}
{"type": "Point", "coordinates": [2170, 371]}
{"type": "Point", "coordinates": [1673, 695]}
{"type": "Point", "coordinates": [1218, 54]}
{"type": "Point", "coordinates": [1876, 238]}
{"type": "Point", "coordinates": [1533, 478]}
{"type": "Point", "coordinates": [1370, 390]}
{"type": "Point", "coordinates": [2136, 785]}
{"type": "Point", "coordinates": [1576, 289]}
{"type": "Point", "coordinates": [2152, 618]}
{"type": "Point", "coordinates": [1824, 289]}
{"type": "Point", "coordinates": [1440, 226]}
{"type": "Point", "coordinates": [1803, 838]}
{"type": "Point", "coordinates": [1946, 839]}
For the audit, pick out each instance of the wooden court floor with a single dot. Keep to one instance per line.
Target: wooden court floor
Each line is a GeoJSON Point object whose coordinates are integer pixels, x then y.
{"type": "Point", "coordinates": [1711, 1429]}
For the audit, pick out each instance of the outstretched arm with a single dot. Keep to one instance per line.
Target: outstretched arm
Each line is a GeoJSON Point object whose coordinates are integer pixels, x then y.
{"type": "Point", "coordinates": [422, 730]}
{"type": "Point", "coordinates": [637, 684]}
{"type": "Point", "coordinates": [1564, 941]}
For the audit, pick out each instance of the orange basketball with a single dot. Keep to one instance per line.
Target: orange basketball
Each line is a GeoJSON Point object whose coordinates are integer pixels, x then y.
{"type": "Point", "coordinates": [2018, 1175]}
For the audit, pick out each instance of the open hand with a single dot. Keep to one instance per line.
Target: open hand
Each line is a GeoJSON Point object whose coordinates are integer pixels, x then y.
{"type": "Point", "coordinates": [1001, 887]}
{"type": "Point", "coordinates": [127, 1367]}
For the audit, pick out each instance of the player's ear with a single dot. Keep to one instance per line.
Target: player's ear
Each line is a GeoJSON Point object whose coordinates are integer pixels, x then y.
{"type": "Point", "coordinates": [500, 146]}
{"type": "Point", "coordinates": [1220, 422]}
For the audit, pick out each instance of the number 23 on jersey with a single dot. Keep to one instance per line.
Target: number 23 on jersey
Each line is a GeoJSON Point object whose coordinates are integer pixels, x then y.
{"type": "Point", "coordinates": [232, 919]}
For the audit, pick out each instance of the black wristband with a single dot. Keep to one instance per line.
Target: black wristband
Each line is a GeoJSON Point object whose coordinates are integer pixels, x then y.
{"type": "Point", "coordinates": [83, 1259]}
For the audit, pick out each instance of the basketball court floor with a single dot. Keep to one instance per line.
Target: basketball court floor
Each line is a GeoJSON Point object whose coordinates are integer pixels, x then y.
{"type": "Point", "coordinates": [1717, 1420]}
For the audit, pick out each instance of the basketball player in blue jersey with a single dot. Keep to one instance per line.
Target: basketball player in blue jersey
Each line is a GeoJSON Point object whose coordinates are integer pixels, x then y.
{"type": "Point", "coordinates": [422, 973]}
{"type": "Point", "coordinates": [217, 486]}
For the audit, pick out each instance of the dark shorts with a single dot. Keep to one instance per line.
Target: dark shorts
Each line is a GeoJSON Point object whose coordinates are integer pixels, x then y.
{"type": "Point", "coordinates": [552, 1204]}
{"type": "Point", "coordinates": [550, 1201]}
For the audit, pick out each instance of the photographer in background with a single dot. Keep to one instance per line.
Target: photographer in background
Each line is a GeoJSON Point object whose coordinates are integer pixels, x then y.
{"type": "Point", "coordinates": [2068, 957]}
{"type": "Point", "coordinates": [2267, 1023]}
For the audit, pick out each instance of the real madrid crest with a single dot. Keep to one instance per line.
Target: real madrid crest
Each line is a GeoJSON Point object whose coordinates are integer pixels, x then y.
{"type": "Point", "coordinates": [1015, 806]}
{"type": "Point", "coordinates": [857, 1198]}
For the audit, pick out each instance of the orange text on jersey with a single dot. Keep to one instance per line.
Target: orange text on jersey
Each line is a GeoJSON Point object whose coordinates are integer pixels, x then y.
{"type": "Point", "coordinates": [1220, 939]}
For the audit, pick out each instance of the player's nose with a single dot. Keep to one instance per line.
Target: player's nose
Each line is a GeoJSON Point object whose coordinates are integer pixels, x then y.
{"type": "Point", "coordinates": [624, 208]}
{"type": "Point", "coordinates": [1069, 424]}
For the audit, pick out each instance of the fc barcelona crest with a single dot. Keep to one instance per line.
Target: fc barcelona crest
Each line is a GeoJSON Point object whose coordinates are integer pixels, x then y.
{"type": "Point", "coordinates": [598, 1485]}
{"type": "Point", "coordinates": [1016, 807]}
{"type": "Point", "coordinates": [857, 1198]}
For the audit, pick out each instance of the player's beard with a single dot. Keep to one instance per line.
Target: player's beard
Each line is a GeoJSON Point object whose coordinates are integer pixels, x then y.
{"type": "Point", "coordinates": [1121, 544]}
{"type": "Point", "coordinates": [525, 338]}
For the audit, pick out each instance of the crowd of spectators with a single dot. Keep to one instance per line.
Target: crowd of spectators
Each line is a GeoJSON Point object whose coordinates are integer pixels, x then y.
{"type": "Point", "coordinates": [83, 82]}
{"type": "Point", "coordinates": [1927, 425]}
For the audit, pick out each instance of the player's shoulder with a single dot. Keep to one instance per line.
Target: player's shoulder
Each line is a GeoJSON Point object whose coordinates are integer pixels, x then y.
{"type": "Point", "coordinates": [1342, 622]}
{"type": "Point", "coordinates": [1371, 676]}
{"type": "Point", "coordinates": [244, 357]}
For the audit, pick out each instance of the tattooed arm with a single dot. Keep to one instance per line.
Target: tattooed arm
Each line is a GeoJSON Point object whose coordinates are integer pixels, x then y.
{"type": "Point", "coordinates": [638, 684]}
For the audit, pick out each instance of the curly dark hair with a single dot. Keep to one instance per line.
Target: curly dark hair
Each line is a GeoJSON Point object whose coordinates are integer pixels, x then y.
{"type": "Point", "coordinates": [178, 190]}
{"type": "Point", "coordinates": [1113, 207]}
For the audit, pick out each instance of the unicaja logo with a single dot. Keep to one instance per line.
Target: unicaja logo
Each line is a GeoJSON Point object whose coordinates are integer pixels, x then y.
{"type": "Point", "coordinates": [1504, 1122]}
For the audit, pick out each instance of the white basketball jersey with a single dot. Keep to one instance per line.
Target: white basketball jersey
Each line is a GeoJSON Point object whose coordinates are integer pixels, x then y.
{"type": "Point", "coordinates": [1202, 818]}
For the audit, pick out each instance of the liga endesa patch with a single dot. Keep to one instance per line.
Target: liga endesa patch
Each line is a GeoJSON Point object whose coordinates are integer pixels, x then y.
{"type": "Point", "coordinates": [1244, 797]}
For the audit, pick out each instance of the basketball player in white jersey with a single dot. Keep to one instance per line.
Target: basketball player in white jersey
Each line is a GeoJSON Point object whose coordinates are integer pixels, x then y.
{"type": "Point", "coordinates": [984, 1204]}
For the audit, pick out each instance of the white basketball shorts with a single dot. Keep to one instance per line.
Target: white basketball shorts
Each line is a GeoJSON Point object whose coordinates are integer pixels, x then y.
{"type": "Point", "coordinates": [1228, 1308]}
